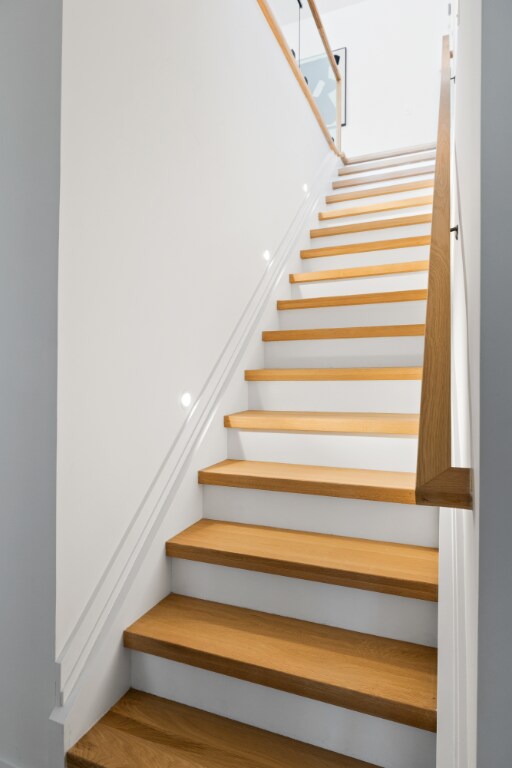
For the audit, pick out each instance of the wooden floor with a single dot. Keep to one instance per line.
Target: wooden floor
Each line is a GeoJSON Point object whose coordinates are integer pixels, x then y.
{"type": "Point", "coordinates": [381, 677]}
{"type": "Point", "coordinates": [144, 731]}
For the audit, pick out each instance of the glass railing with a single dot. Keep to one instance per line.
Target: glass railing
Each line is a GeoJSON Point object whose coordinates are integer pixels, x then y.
{"type": "Point", "coordinates": [322, 68]}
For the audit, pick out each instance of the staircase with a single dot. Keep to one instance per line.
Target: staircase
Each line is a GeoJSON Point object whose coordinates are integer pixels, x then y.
{"type": "Point", "coordinates": [313, 576]}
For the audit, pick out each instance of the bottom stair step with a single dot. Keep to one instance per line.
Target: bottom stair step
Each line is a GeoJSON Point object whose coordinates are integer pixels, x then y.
{"type": "Point", "coordinates": [374, 675]}
{"type": "Point", "coordinates": [143, 730]}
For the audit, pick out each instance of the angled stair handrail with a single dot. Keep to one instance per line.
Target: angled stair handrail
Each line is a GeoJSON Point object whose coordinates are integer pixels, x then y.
{"type": "Point", "coordinates": [437, 482]}
{"type": "Point", "coordinates": [335, 144]}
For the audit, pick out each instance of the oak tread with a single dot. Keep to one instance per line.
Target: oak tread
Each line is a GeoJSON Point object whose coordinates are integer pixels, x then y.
{"type": "Point", "coordinates": [370, 226]}
{"type": "Point", "coordinates": [389, 205]}
{"type": "Point", "coordinates": [378, 270]}
{"type": "Point", "coordinates": [372, 485]}
{"type": "Point", "coordinates": [335, 374]}
{"type": "Point", "coordinates": [388, 176]}
{"type": "Point", "coordinates": [391, 189]}
{"type": "Point", "coordinates": [384, 297]}
{"type": "Point", "coordinates": [376, 165]}
{"type": "Point", "coordinates": [325, 421]}
{"type": "Point", "coordinates": [385, 678]}
{"type": "Point", "coordinates": [391, 153]}
{"type": "Point", "coordinates": [362, 332]}
{"type": "Point", "coordinates": [368, 247]}
{"type": "Point", "coordinates": [145, 731]}
{"type": "Point", "coordinates": [399, 569]}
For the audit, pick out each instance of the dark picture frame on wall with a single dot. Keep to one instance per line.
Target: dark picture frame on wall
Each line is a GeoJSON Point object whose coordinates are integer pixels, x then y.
{"type": "Point", "coordinates": [320, 77]}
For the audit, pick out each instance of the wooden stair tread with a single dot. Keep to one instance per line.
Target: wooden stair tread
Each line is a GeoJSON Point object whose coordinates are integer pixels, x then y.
{"type": "Point", "coordinates": [375, 165]}
{"type": "Point", "coordinates": [335, 374]}
{"type": "Point", "coordinates": [145, 731]}
{"type": "Point", "coordinates": [384, 297]}
{"type": "Point", "coordinates": [391, 189]}
{"type": "Point", "coordinates": [373, 485]}
{"type": "Point", "coordinates": [388, 176]}
{"type": "Point", "coordinates": [370, 226]}
{"type": "Point", "coordinates": [389, 205]}
{"type": "Point", "coordinates": [362, 332]}
{"type": "Point", "coordinates": [325, 421]}
{"type": "Point", "coordinates": [385, 678]}
{"type": "Point", "coordinates": [375, 270]}
{"type": "Point", "coordinates": [369, 247]}
{"type": "Point", "coordinates": [390, 153]}
{"type": "Point", "coordinates": [399, 569]}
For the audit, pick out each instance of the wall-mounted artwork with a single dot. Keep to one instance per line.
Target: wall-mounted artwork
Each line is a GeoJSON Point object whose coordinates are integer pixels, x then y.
{"type": "Point", "coordinates": [318, 72]}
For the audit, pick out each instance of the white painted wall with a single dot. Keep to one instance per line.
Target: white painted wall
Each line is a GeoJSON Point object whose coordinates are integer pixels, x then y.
{"type": "Point", "coordinates": [30, 44]}
{"type": "Point", "coordinates": [393, 64]}
{"type": "Point", "coordinates": [185, 146]}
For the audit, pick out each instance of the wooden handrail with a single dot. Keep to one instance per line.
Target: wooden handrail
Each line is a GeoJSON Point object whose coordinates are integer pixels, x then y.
{"type": "Point", "coordinates": [278, 34]}
{"type": "Point", "coordinates": [437, 482]}
{"type": "Point", "coordinates": [323, 35]}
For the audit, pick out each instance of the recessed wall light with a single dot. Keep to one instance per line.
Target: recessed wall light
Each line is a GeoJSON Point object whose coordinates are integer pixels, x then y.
{"type": "Point", "coordinates": [305, 187]}
{"type": "Point", "coordinates": [185, 399]}
{"type": "Point", "coordinates": [266, 255]}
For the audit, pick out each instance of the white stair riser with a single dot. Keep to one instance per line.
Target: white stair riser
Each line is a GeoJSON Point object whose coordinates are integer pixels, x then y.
{"type": "Point", "coordinates": [340, 353]}
{"type": "Point", "coordinates": [406, 281]}
{"type": "Point", "coordinates": [366, 259]}
{"type": "Point", "coordinates": [361, 396]}
{"type": "Point", "coordinates": [370, 200]}
{"type": "Point", "coordinates": [399, 618]}
{"type": "Point", "coordinates": [375, 740]}
{"type": "Point", "coordinates": [384, 313]}
{"type": "Point", "coordinates": [388, 233]}
{"type": "Point", "coordinates": [381, 521]}
{"type": "Point", "coordinates": [412, 210]}
{"type": "Point", "coordinates": [394, 454]}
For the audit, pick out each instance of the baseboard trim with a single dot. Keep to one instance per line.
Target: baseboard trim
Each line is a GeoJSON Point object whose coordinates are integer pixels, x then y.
{"type": "Point", "coordinates": [455, 632]}
{"type": "Point", "coordinates": [114, 583]}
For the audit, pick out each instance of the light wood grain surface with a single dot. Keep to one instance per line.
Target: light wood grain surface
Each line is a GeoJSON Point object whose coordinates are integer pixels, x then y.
{"type": "Point", "coordinates": [390, 153]}
{"type": "Point", "coordinates": [335, 374]}
{"type": "Point", "coordinates": [144, 731]}
{"type": "Point", "coordinates": [369, 247]}
{"type": "Point", "coordinates": [370, 226]}
{"type": "Point", "coordinates": [399, 569]}
{"type": "Point", "coordinates": [325, 421]}
{"type": "Point", "coordinates": [387, 163]}
{"type": "Point", "coordinates": [381, 677]}
{"type": "Point", "coordinates": [373, 485]}
{"type": "Point", "coordinates": [388, 176]}
{"type": "Point", "coordinates": [389, 189]}
{"type": "Point", "coordinates": [402, 267]}
{"type": "Point", "coordinates": [380, 207]}
{"type": "Point", "coordinates": [385, 297]}
{"type": "Point", "coordinates": [363, 332]}
{"type": "Point", "coordinates": [434, 449]}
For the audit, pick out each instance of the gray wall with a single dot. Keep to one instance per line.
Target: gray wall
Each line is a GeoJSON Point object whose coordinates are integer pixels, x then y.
{"type": "Point", "coordinates": [30, 53]}
{"type": "Point", "coordinates": [495, 605]}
